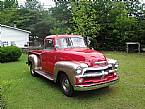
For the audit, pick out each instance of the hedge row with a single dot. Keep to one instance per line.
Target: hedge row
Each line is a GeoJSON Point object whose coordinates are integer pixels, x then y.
{"type": "Point", "coordinates": [9, 54]}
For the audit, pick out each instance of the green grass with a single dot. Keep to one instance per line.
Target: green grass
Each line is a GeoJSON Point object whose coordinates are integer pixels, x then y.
{"type": "Point", "coordinates": [22, 91]}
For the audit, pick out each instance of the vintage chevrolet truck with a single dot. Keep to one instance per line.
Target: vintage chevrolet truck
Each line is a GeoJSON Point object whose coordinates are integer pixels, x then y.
{"type": "Point", "coordinates": [66, 60]}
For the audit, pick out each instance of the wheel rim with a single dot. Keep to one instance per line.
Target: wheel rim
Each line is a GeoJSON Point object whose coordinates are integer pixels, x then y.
{"type": "Point", "coordinates": [65, 84]}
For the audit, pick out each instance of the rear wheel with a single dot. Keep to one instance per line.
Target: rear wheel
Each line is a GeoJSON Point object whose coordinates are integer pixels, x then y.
{"type": "Point", "coordinates": [33, 73]}
{"type": "Point", "coordinates": [66, 86]}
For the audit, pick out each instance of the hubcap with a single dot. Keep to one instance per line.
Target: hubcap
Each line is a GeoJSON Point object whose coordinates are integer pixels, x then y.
{"type": "Point", "coordinates": [65, 85]}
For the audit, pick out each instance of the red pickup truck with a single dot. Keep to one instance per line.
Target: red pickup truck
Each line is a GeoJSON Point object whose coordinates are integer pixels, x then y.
{"type": "Point", "coordinates": [66, 60]}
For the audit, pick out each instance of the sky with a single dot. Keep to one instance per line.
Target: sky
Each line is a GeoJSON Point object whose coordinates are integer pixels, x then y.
{"type": "Point", "coordinates": [50, 3]}
{"type": "Point", "coordinates": [46, 3]}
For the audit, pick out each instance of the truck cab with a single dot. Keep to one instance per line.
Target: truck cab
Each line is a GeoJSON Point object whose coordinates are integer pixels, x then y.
{"type": "Point", "coordinates": [67, 60]}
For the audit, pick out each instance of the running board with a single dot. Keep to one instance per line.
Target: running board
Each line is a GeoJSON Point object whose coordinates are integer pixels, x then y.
{"type": "Point", "coordinates": [46, 75]}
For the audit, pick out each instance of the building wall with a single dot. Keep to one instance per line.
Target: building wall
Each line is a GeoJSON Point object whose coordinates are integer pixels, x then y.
{"type": "Point", "coordinates": [13, 36]}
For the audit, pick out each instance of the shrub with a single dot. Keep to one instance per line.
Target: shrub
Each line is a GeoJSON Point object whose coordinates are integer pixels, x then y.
{"type": "Point", "coordinates": [10, 54]}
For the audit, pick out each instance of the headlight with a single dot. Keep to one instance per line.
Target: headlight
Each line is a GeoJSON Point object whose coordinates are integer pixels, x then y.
{"type": "Point", "coordinates": [79, 70]}
{"type": "Point", "coordinates": [116, 64]}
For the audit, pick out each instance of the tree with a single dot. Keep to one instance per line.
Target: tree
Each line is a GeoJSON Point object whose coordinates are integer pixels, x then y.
{"type": "Point", "coordinates": [1, 5]}
{"type": "Point", "coordinates": [10, 4]}
{"type": "Point", "coordinates": [90, 18]}
{"type": "Point", "coordinates": [33, 5]}
{"type": "Point", "coordinates": [8, 11]}
{"type": "Point", "coordinates": [109, 23]}
{"type": "Point", "coordinates": [124, 24]}
{"type": "Point", "coordinates": [38, 22]}
{"type": "Point", "coordinates": [62, 15]}
{"type": "Point", "coordinates": [84, 18]}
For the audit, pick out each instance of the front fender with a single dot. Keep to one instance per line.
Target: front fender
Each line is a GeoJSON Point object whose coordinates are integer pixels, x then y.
{"type": "Point", "coordinates": [68, 68]}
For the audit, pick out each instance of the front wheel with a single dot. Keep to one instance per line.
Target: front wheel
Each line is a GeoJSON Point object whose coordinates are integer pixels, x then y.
{"type": "Point", "coordinates": [66, 87]}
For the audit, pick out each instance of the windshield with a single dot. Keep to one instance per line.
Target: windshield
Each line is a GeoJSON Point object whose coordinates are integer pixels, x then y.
{"type": "Point", "coordinates": [71, 42]}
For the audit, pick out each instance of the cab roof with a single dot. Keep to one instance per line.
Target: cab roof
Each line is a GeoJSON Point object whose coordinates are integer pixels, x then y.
{"type": "Point", "coordinates": [62, 36]}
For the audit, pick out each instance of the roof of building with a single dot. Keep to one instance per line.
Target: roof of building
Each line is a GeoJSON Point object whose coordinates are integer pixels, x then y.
{"type": "Point", "coordinates": [15, 28]}
{"type": "Point", "coordinates": [132, 43]}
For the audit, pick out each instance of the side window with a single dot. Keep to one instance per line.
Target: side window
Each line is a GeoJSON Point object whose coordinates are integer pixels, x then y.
{"type": "Point", "coordinates": [49, 45]}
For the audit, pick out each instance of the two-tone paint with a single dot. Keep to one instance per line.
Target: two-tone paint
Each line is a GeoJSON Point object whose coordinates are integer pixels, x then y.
{"type": "Point", "coordinates": [96, 70]}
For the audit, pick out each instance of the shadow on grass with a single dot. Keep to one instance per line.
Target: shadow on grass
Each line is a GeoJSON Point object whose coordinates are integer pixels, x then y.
{"type": "Point", "coordinates": [48, 82]}
{"type": "Point", "coordinates": [80, 95]}
{"type": "Point", "coordinates": [93, 93]}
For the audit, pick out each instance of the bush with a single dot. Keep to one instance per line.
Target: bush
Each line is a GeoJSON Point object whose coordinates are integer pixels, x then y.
{"type": "Point", "coordinates": [10, 54]}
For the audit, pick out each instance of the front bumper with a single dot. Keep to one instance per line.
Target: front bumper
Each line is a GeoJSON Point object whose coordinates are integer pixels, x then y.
{"type": "Point", "coordinates": [95, 86]}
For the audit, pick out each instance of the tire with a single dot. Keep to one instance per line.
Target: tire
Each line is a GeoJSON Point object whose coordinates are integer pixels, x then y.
{"type": "Point", "coordinates": [33, 73]}
{"type": "Point", "coordinates": [66, 86]}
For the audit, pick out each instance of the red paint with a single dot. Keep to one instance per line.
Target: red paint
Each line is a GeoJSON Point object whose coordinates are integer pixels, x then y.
{"type": "Point", "coordinates": [49, 58]}
{"type": "Point", "coordinates": [97, 80]}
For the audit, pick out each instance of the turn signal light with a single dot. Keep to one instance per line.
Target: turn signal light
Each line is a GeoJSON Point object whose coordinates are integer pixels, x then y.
{"type": "Point", "coordinates": [79, 80]}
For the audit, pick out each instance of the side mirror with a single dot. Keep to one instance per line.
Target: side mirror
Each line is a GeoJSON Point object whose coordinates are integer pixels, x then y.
{"type": "Point", "coordinates": [88, 41]}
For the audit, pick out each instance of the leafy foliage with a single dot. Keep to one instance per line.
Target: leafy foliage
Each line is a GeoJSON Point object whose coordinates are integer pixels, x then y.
{"type": "Point", "coordinates": [115, 22]}
{"type": "Point", "coordinates": [9, 54]}
{"type": "Point", "coordinates": [32, 4]}
{"type": "Point", "coordinates": [109, 24]}
{"type": "Point", "coordinates": [85, 18]}
{"type": "Point", "coordinates": [62, 16]}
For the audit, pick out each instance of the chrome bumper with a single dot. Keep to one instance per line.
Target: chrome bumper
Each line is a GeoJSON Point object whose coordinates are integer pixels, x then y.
{"type": "Point", "coordinates": [94, 86]}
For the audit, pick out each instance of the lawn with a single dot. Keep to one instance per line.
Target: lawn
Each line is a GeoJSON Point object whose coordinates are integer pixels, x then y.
{"type": "Point", "coordinates": [22, 91]}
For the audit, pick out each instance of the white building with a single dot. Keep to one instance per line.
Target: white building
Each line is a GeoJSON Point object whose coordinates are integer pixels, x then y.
{"type": "Point", "coordinates": [13, 36]}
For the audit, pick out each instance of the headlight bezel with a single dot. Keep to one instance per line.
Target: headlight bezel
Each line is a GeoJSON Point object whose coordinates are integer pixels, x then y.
{"type": "Point", "coordinates": [79, 69]}
{"type": "Point", "coordinates": [114, 63]}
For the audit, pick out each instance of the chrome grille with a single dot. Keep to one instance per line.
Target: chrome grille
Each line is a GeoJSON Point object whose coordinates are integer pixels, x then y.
{"type": "Point", "coordinates": [93, 71]}
{"type": "Point", "coordinates": [97, 71]}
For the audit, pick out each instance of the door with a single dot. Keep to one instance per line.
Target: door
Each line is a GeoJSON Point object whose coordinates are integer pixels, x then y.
{"type": "Point", "coordinates": [48, 56]}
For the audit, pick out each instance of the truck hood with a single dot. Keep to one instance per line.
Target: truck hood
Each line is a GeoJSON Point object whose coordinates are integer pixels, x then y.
{"type": "Point", "coordinates": [85, 55]}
